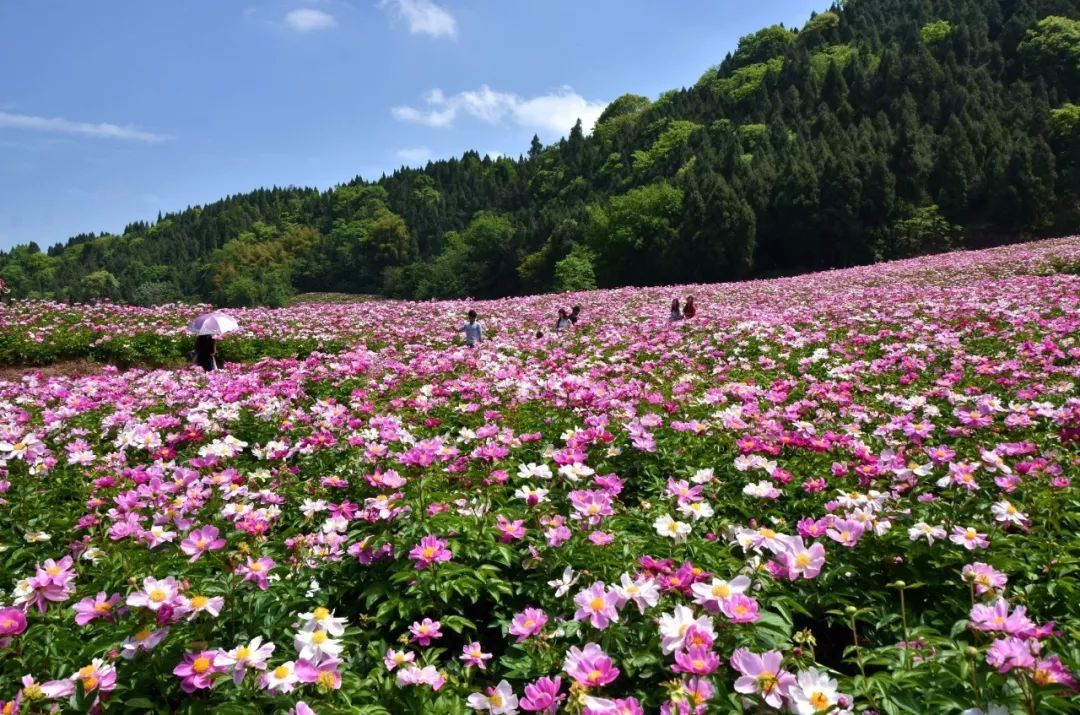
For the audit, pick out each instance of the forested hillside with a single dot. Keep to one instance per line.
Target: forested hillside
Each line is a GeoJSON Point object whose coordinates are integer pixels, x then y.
{"type": "Point", "coordinates": [880, 129]}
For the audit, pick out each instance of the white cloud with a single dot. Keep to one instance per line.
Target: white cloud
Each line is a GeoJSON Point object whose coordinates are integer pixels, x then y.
{"type": "Point", "coordinates": [66, 126]}
{"type": "Point", "coordinates": [414, 155]}
{"type": "Point", "coordinates": [307, 19]}
{"type": "Point", "coordinates": [423, 16]}
{"type": "Point", "coordinates": [551, 113]}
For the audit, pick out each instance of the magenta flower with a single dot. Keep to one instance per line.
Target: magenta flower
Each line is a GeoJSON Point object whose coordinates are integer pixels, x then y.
{"type": "Point", "coordinates": [510, 530]}
{"type": "Point", "coordinates": [394, 658]}
{"type": "Point", "coordinates": [472, 654]}
{"type": "Point", "coordinates": [739, 608]}
{"type": "Point", "coordinates": [430, 550]}
{"type": "Point", "coordinates": [598, 605]}
{"type": "Point", "coordinates": [969, 538]}
{"type": "Point", "coordinates": [799, 560]}
{"type": "Point", "coordinates": [986, 578]}
{"type": "Point", "coordinates": [996, 617]}
{"type": "Point", "coordinates": [425, 631]}
{"type": "Point", "coordinates": [196, 671]}
{"type": "Point", "coordinates": [155, 594]}
{"type": "Point", "coordinates": [696, 660]}
{"type": "Point", "coordinates": [590, 666]}
{"type": "Point", "coordinates": [1008, 653]}
{"type": "Point", "coordinates": [100, 607]}
{"type": "Point", "coordinates": [761, 674]}
{"type": "Point", "coordinates": [12, 622]}
{"type": "Point", "coordinates": [200, 541]}
{"type": "Point", "coordinates": [543, 696]}
{"type": "Point", "coordinates": [257, 571]}
{"type": "Point", "coordinates": [846, 531]}
{"type": "Point", "coordinates": [326, 674]}
{"type": "Point", "coordinates": [1050, 671]}
{"type": "Point", "coordinates": [527, 623]}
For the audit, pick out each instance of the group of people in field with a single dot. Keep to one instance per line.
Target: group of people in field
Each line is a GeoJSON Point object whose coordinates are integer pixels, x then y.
{"type": "Point", "coordinates": [687, 311]}
{"type": "Point", "coordinates": [474, 329]}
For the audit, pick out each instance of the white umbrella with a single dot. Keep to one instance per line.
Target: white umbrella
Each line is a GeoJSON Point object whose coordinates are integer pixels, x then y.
{"type": "Point", "coordinates": [213, 324]}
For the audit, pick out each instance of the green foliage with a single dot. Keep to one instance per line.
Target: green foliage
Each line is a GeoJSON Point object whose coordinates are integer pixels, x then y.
{"type": "Point", "coordinates": [575, 271]}
{"type": "Point", "coordinates": [840, 55]}
{"type": "Point", "coordinates": [1065, 118]}
{"type": "Point", "coordinates": [633, 232]}
{"type": "Point", "coordinates": [934, 32]}
{"type": "Point", "coordinates": [675, 134]}
{"type": "Point", "coordinates": [1054, 42]}
{"type": "Point", "coordinates": [100, 284]}
{"type": "Point", "coordinates": [763, 45]}
{"type": "Point", "coordinates": [746, 81]}
{"type": "Point", "coordinates": [819, 24]}
{"type": "Point", "coordinates": [923, 231]}
{"type": "Point", "coordinates": [155, 293]}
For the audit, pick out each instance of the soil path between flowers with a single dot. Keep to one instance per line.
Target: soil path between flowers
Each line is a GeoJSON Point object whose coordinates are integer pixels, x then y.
{"type": "Point", "coordinates": [64, 368]}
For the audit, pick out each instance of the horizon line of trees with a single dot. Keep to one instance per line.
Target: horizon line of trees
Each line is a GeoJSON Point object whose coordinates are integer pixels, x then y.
{"type": "Point", "coordinates": [880, 129]}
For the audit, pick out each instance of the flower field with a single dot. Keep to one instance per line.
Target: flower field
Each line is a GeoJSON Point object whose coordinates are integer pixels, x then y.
{"type": "Point", "coordinates": [846, 492]}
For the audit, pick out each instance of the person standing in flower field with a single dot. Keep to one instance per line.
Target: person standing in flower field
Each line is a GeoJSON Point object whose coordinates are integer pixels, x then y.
{"type": "Point", "coordinates": [563, 321]}
{"type": "Point", "coordinates": [676, 312]}
{"type": "Point", "coordinates": [575, 313]}
{"type": "Point", "coordinates": [689, 311]}
{"type": "Point", "coordinates": [206, 352]}
{"type": "Point", "coordinates": [473, 329]}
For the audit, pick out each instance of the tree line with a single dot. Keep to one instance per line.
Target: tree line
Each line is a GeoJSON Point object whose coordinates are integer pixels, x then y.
{"type": "Point", "coordinates": [880, 129]}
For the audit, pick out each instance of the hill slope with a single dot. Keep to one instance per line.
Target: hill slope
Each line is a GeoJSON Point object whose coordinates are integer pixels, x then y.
{"type": "Point", "coordinates": [881, 129]}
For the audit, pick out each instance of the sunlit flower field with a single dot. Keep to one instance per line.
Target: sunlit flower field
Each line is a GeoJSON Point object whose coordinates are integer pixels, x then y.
{"type": "Point", "coordinates": [853, 491]}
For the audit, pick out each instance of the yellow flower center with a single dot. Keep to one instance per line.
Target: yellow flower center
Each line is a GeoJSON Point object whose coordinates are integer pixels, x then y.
{"type": "Point", "coordinates": [819, 700]}
{"type": "Point", "coordinates": [242, 652]}
{"type": "Point", "coordinates": [741, 609]}
{"type": "Point", "coordinates": [596, 604]}
{"type": "Point", "coordinates": [721, 590]}
{"type": "Point", "coordinates": [698, 664]}
{"type": "Point", "coordinates": [594, 675]}
{"type": "Point", "coordinates": [802, 560]}
{"type": "Point", "coordinates": [202, 544]}
{"type": "Point", "coordinates": [429, 552]}
{"type": "Point", "coordinates": [157, 595]}
{"type": "Point", "coordinates": [256, 566]}
{"type": "Point", "coordinates": [495, 699]}
{"type": "Point", "coordinates": [1041, 676]}
{"type": "Point", "coordinates": [318, 637]}
{"type": "Point", "coordinates": [200, 665]}
{"type": "Point", "coordinates": [321, 614]}
{"type": "Point", "coordinates": [326, 679]}
{"type": "Point", "coordinates": [142, 635]}
{"type": "Point", "coordinates": [281, 672]}
{"type": "Point", "coordinates": [53, 570]}
{"type": "Point", "coordinates": [102, 607]}
{"type": "Point", "coordinates": [767, 532]}
{"type": "Point", "coordinates": [33, 692]}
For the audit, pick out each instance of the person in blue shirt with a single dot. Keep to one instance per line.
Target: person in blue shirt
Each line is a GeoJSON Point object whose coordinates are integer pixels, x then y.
{"type": "Point", "coordinates": [473, 329]}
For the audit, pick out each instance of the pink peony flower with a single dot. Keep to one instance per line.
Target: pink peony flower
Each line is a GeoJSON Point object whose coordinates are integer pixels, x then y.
{"type": "Point", "coordinates": [430, 550]}
{"type": "Point", "coordinates": [590, 666]}
{"type": "Point", "coordinates": [527, 623]}
{"type": "Point", "coordinates": [201, 541]}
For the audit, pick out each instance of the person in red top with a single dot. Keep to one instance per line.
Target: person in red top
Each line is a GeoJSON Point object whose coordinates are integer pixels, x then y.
{"type": "Point", "coordinates": [689, 311]}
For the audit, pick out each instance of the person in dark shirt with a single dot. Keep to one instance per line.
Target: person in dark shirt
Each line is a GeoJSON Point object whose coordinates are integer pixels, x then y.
{"type": "Point", "coordinates": [689, 310]}
{"type": "Point", "coordinates": [575, 313]}
{"type": "Point", "coordinates": [206, 352]}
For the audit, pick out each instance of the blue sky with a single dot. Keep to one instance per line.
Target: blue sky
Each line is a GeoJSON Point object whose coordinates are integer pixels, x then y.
{"type": "Point", "coordinates": [111, 111]}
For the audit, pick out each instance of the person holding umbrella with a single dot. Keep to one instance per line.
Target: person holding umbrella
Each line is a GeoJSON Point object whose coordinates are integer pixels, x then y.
{"type": "Point", "coordinates": [206, 328]}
